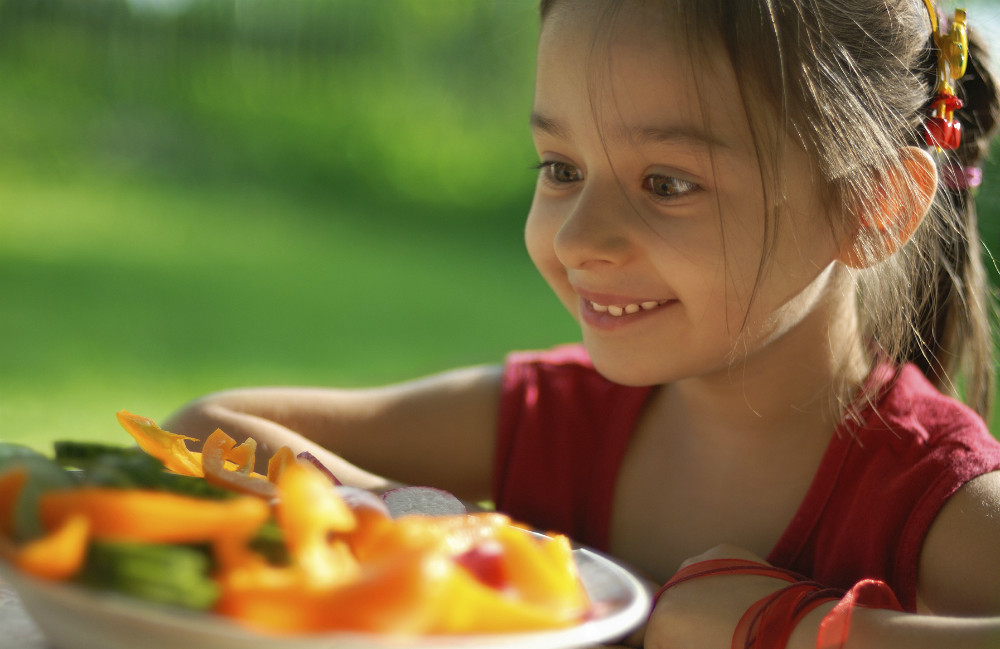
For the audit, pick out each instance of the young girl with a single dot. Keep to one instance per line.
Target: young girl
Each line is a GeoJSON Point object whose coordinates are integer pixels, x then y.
{"type": "Point", "coordinates": [758, 215]}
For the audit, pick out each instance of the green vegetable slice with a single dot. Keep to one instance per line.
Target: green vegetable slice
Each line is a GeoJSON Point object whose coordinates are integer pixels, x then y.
{"type": "Point", "coordinates": [173, 575]}
{"type": "Point", "coordinates": [130, 468]}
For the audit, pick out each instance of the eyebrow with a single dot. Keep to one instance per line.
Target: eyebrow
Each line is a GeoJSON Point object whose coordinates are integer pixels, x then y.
{"type": "Point", "coordinates": [545, 124]}
{"type": "Point", "coordinates": [640, 135]}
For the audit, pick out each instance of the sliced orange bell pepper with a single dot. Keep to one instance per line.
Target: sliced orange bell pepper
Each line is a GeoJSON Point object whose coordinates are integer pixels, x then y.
{"type": "Point", "coordinates": [58, 555]}
{"type": "Point", "coordinates": [384, 539]}
{"type": "Point", "coordinates": [220, 448]}
{"type": "Point", "coordinates": [367, 538]}
{"type": "Point", "coordinates": [538, 585]}
{"type": "Point", "coordinates": [168, 448]}
{"type": "Point", "coordinates": [402, 595]}
{"type": "Point", "coordinates": [243, 456]}
{"type": "Point", "coordinates": [541, 570]}
{"type": "Point", "coordinates": [473, 607]}
{"type": "Point", "coordinates": [309, 512]}
{"type": "Point", "coordinates": [278, 462]}
{"type": "Point", "coordinates": [451, 534]}
{"type": "Point", "coordinates": [153, 516]}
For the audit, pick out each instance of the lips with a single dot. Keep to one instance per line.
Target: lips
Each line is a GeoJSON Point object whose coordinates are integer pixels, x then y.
{"type": "Point", "coordinates": [610, 311]}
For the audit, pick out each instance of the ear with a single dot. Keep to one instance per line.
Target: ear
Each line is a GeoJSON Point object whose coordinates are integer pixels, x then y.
{"type": "Point", "coordinates": [902, 198]}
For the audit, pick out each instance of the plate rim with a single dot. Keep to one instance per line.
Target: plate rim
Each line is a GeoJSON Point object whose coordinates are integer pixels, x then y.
{"type": "Point", "coordinates": [209, 624]}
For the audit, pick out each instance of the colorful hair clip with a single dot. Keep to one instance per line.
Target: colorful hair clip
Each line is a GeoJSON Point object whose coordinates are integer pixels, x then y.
{"type": "Point", "coordinates": [941, 129]}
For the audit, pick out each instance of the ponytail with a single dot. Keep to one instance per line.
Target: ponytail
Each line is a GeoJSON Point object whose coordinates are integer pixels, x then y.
{"type": "Point", "coordinates": [951, 329]}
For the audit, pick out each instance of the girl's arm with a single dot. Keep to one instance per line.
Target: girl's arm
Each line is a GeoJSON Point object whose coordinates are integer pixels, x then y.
{"type": "Point", "coordinates": [436, 431]}
{"type": "Point", "coordinates": [958, 591]}
{"type": "Point", "coordinates": [878, 628]}
{"type": "Point", "coordinates": [960, 560]}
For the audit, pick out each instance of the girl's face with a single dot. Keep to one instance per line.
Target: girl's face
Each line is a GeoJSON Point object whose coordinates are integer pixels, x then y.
{"type": "Point", "coordinates": [649, 215]}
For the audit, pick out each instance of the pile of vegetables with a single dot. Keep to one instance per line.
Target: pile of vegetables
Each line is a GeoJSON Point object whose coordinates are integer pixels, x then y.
{"type": "Point", "coordinates": [280, 552]}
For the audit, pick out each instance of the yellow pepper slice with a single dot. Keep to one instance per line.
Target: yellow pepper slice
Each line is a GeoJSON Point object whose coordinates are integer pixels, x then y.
{"type": "Point", "coordinates": [279, 462]}
{"type": "Point", "coordinates": [473, 607]}
{"type": "Point", "coordinates": [219, 449]}
{"type": "Point", "coordinates": [310, 512]}
{"type": "Point", "coordinates": [168, 448]}
{"type": "Point", "coordinates": [541, 570]}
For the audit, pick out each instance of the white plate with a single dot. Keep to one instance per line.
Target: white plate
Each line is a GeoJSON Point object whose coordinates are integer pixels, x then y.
{"type": "Point", "coordinates": [71, 617]}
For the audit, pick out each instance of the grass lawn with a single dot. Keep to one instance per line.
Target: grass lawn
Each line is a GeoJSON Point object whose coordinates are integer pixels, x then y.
{"type": "Point", "coordinates": [142, 297]}
{"type": "Point", "coordinates": [306, 193]}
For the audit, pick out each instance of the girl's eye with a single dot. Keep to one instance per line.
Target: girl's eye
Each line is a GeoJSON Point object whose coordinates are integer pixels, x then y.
{"type": "Point", "coordinates": [667, 186]}
{"type": "Point", "coordinates": [560, 173]}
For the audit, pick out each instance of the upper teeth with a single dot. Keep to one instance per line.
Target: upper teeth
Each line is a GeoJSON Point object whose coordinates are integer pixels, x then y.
{"type": "Point", "coordinates": [622, 310]}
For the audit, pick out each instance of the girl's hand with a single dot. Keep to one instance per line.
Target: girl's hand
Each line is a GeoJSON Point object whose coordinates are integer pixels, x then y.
{"type": "Point", "coordinates": [704, 612]}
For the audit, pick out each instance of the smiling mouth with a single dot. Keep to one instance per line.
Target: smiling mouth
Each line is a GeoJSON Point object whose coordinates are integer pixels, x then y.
{"type": "Point", "coordinates": [627, 309]}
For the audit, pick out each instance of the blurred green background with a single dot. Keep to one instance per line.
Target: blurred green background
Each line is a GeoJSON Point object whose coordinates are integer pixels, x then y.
{"type": "Point", "coordinates": [204, 194]}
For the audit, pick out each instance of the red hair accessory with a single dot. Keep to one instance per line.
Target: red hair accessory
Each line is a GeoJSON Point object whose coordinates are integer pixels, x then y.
{"type": "Point", "coordinates": [941, 129]}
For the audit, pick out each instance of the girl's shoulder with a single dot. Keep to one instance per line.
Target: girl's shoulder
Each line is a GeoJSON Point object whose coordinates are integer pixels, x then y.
{"type": "Point", "coordinates": [883, 480]}
{"type": "Point", "coordinates": [909, 405]}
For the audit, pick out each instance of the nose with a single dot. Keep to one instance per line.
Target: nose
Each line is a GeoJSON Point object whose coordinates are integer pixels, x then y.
{"type": "Point", "coordinates": [594, 231]}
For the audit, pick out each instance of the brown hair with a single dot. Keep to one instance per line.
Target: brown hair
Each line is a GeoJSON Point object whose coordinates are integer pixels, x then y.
{"type": "Point", "coordinates": [852, 79]}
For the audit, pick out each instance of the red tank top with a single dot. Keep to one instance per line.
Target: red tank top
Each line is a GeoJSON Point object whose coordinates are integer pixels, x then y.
{"type": "Point", "coordinates": [563, 430]}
